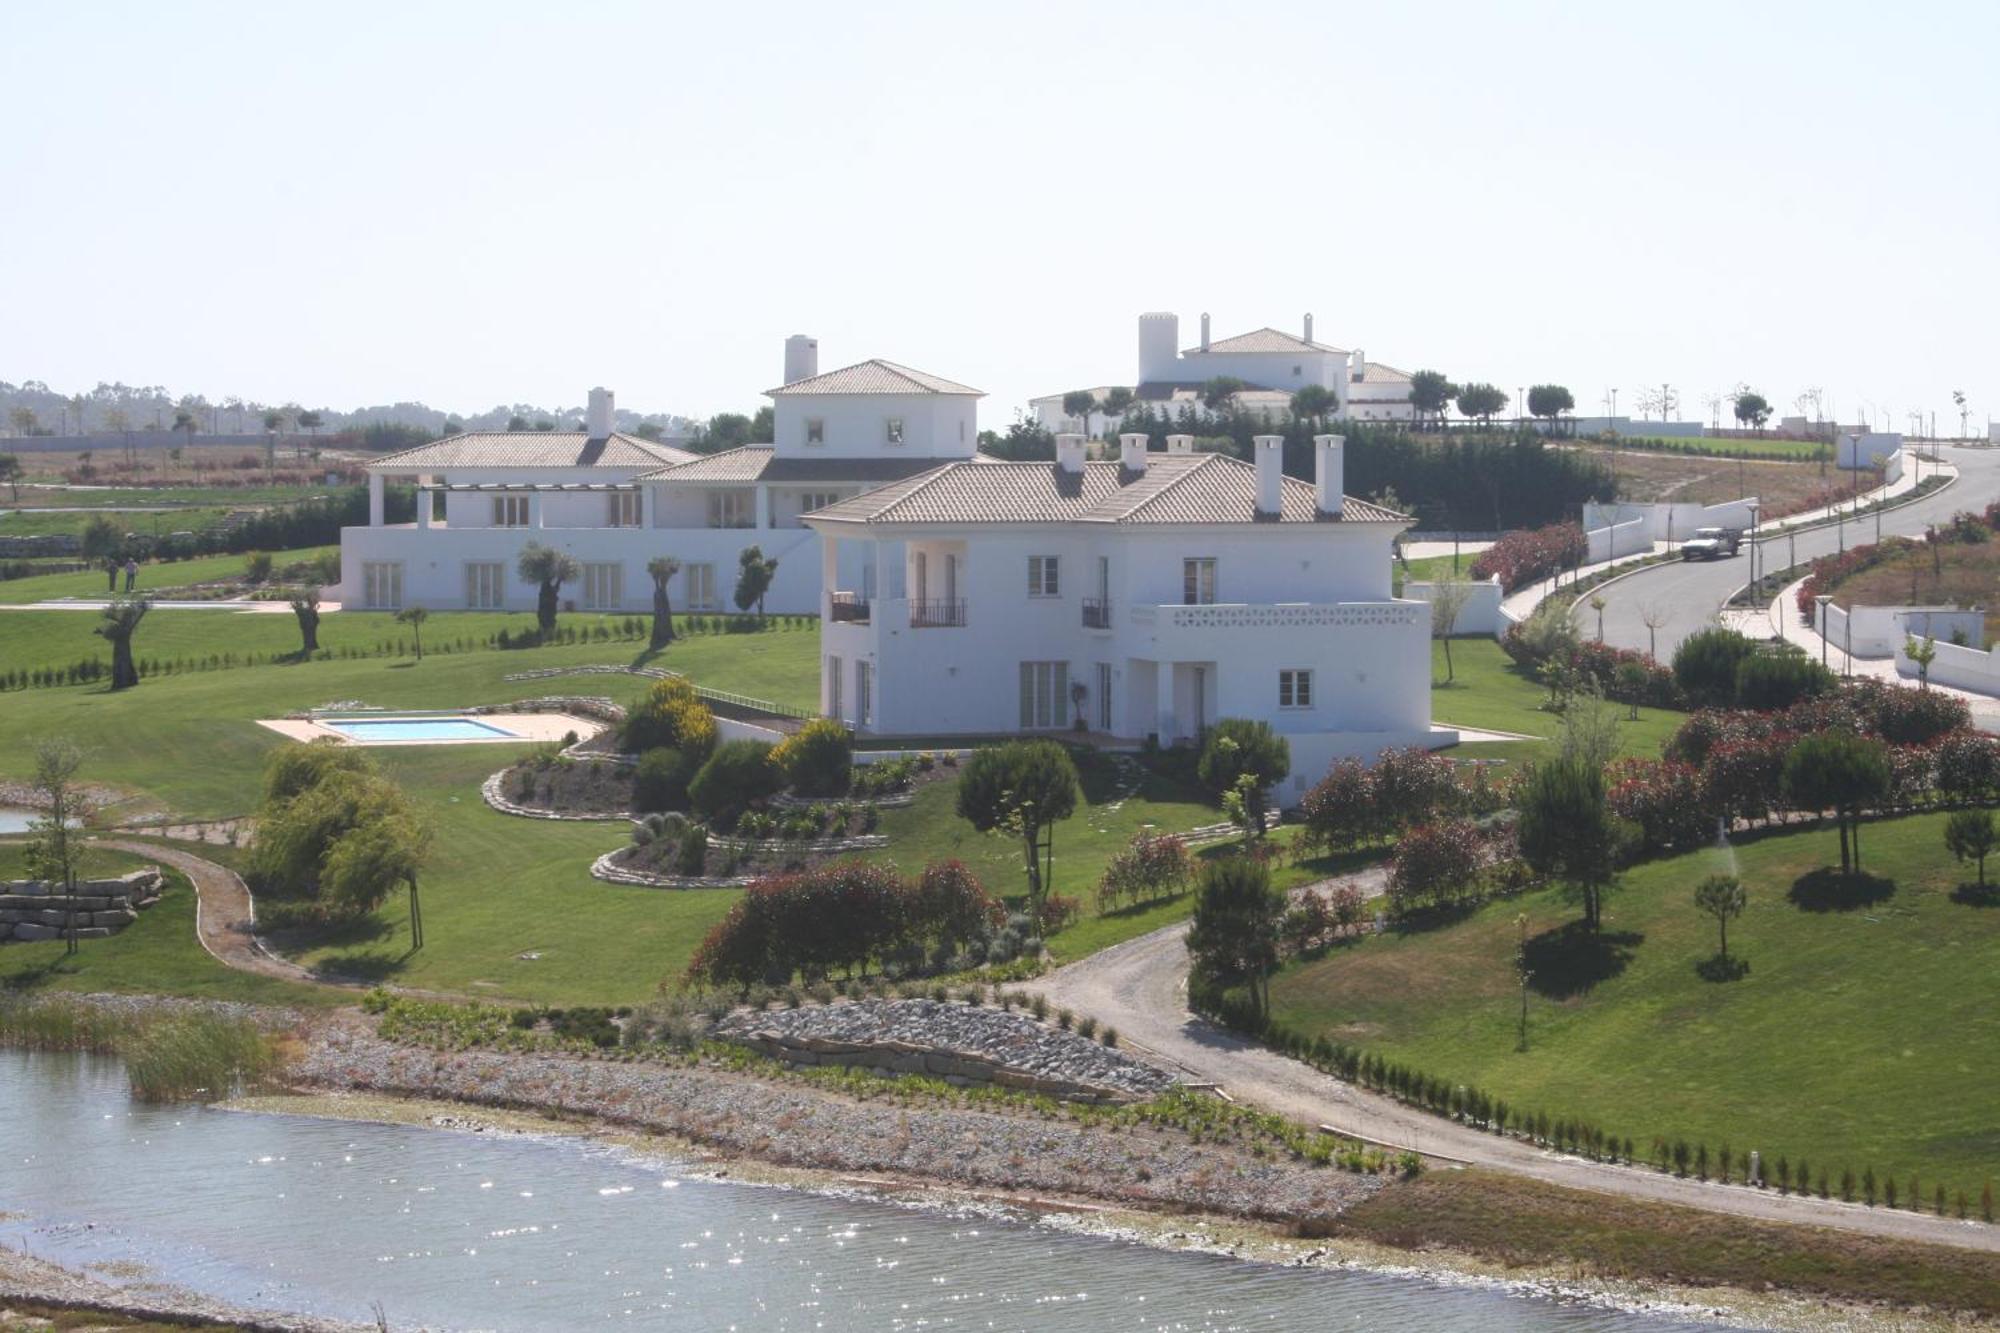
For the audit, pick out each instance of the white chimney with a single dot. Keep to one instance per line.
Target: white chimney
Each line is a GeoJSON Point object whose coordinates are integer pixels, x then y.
{"type": "Point", "coordinates": [1329, 472]}
{"type": "Point", "coordinates": [1132, 451]}
{"type": "Point", "coordinates": [801, 358]}
{"type": "Point", "coordinates": [1069, 453]}
{"type": "Point", "coordinates": [1309, 326]}
{"type": "Point", "coordinates": [598, 419]}
{"type": "Point", "coordinates": [1357, 365]}
{"type": "Point", "coordinates": [1204, 330]}
{"type": "Point", "coordinates": [1270, 456]}
{"type": "Point", "coordinates": [1180, 444]}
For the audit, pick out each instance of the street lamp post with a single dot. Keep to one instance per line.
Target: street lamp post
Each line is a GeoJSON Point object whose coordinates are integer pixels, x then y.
{"type": "Point", "coordinates": [1822, 599]}
{"type": "Point", "coordinates": [1756, 582]}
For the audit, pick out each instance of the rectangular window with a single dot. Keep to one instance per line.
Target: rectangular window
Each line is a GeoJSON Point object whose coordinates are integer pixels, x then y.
{"type": "Point", "coordinates": [1198, 580]}
{"type": "Point", "coordinates": [833, 689]}
{"type": "Point", "coordinates": [382, 584]}
{"type": "Point", "coordinates": [895, 430]}
{"type": "Point", "coordinates": [603, 587]}
{"type": "Point", "coordinates": [815, 430]}
{"type": "Point", "coordinates": [1042, 576]}
{"type": "Point", "coordinates": [485, 585]}
{"type": "Point", "coordinates": [1104, 697]}
{"type": "Point", "coordinates": [812, 500]}
{"type": "Point", "coordinates": [731, 509]}
{"type": "Point", "coordinates": [864, 693]}
{"type": "Point", "coordinates": [698, 587]}
{"type": "Point", "coordinates": [1295, 689]}
{"type": "Point", "coordinates": [510, 511]}
{"type": "Point", "coordinates": [1044, 695]}
{"type": "Point", "coordinates": [626, 508]}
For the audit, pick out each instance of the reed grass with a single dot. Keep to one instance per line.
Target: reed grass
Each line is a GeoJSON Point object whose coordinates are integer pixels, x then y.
{"type": "Point", "coordinates": [184, 1056]}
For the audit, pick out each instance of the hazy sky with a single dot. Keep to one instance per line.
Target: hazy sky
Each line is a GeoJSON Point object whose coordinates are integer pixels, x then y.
{"type": "Point", "coordinates": [476, 203]}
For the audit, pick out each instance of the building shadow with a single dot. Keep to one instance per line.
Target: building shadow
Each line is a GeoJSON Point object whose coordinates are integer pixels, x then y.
{"type": "Point", "coordinates": [1828, 889]}
{"type": "Point", "coordinates": [1571, 959]}
{"type": "Point", "coordinates": [1718, 968]}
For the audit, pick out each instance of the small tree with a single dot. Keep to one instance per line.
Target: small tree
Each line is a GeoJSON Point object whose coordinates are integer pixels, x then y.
{"type": "Point", "coordinates": [101, 539]}
{"type": "Point", "coordinates": [1315, 403]}
{"type": "Point", "coordinates": [1566, 830]}
{"type": "Point", "coordinates": [305, 605]}
{"type": "Point", "coordinates": [1233, 940]}
{"type": "Point", "coordinates": [1752, 410]}
{"type": "Point", "coordinates": [549, 569]}
{"type": "Point", "coordinates": [1118, 401]}
{"type": "Point", "coordinates": [52, 855]}
{"type": "Point", "coordinates": [1722, 897]}
{"type": "Point", "coordinates": [1080, 403]}
{"type": "Point", "coordinates": [1238, 749]}
{"type": "Point", "coordinates": [1482, 401]}
{"type": "Point", "coordinates": [120, 621]}
{"type": "Point", "coordinates": [1430, 394]}
{"type": "Point", "coordinates": [1840, 771]}
{"type": "Point", "coordinates": [1549, 401]}
{"type": "Point", "coordinates": [10, 473]}
{"type": "Point", "coordinates": [1448, 598]}
{"type": "Point", "coordinates": [754, 572]}
{"type": "Point", "coordinates": [1021, 789]}
{"type": "Point", "coordinates": [1923, 652]}
{"type": "Point", "coordinates": [1218, 394]}
{"type": "Point", "coordinates": [1969, 836]}
{"type": "Point", "coordinates": [1653, 615]}
{"type": "Point", "coordinates": [414, 617]}
{"type": "Point", "coordinates": [661, 569]}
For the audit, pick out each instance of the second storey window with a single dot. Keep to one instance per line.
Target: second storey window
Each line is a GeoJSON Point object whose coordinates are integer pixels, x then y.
{"type": "Point", "coordinates": [1295, 689]}
{"type": "Point", "coordinates": [1198, 580]}
{"type": "Point", "coordinates": [625, 509]}
{"type": "Point", "coordinates": [815, 430]}
{"type": "Point", "coordinates": [812, 500]}
{"type": "Point", "coordinates": [1042, 577]}
{"type": "Point", "coordinates": [895, 430]}
{"type": "Point", "coordinates": [730, 509]}
{"type": "Point", "coordinates": [510, 511]}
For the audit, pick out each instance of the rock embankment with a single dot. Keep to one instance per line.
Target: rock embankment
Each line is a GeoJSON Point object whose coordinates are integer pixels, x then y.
{"type": "Point", "coordinates": [959, 1043]}
{"type": "Point", "coordinates": [796, 1124]}
{"type": "Point", "coordinates": [33, 909]}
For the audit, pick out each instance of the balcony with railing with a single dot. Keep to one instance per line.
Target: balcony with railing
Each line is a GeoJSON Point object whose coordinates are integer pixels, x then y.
{"type": "Point", "coordinates": [937, 613]}
{"type": "Point", "coordinates": [848, 608]}
{"type": "Point", "coordinates": [1097, 613]}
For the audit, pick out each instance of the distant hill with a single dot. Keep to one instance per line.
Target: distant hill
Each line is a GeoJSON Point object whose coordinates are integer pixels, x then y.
{"type": "Point", "coordinates": [110, 408]}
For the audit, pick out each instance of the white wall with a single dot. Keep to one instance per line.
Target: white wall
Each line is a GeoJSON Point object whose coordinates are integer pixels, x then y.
{"type": "Point", "coordinates": [1855, 452]}
{"type": "Point", "coordinates": [935, 425]}
{"type": "Point", "coordinates": [1879, 631]}
{"type": "Point", "coordinates": [1670, 522]}
{"type": "Point", "coordinates": [1269, 370]}
{"type": "Point", "coordinates": [1619, 539]}
{"type": "Point", "coordinates": [1956, 667]}
{"type": "Point", "coordinates": [1481, 613]}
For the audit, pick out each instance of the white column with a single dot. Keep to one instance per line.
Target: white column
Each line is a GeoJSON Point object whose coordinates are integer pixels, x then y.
{"type": "Point", "coordinates": [425, 499]}
{"type": "Point", "coordinates": [646, 498]}
{"type": "Point", "coordinates": [375, 499]}
{"type": "Point", "coordinates": [534, 509]}
{"type": "Point", "coordinates": [763, 494]}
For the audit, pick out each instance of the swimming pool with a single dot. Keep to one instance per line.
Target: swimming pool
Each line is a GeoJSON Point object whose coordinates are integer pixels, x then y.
{"type": "Point", "coordinates": [416, 729]}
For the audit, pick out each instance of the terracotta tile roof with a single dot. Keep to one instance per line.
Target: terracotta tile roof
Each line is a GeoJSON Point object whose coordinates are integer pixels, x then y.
{"type": "Point", "coordinates": [1175, 488]}
{"type": "Point", "coordinates": [534, 448]}
{"type": "Point", "coordinates": [1265, 340]}
{"type": "Point", "coordinates": [759, 462]}
{"type": "Point", "coordinates": [874, 376]}
{"type": "Point", "coordinates": [746, 463]}
{"type": "Point", "coordinates": [1377, 373]}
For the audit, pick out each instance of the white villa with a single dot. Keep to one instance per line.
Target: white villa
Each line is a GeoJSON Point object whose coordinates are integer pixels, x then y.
{"type": "Point", "coordinates": [1147, 596]}
{"type": "Point", "coordinates": [1273, 363]}
{"type": "Point", "coordinates": [616, 501]}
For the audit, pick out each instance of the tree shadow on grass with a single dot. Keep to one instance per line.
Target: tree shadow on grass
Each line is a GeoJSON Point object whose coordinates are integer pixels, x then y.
{"type": "Point", "coordinates": [1571, 959]}
{"type": "Point", "coordinates": [1830, 890]}
{"type": "Point", "coordinates": [1977, 895]}
{"type": "Point", "coordinates": [1718, 968]}
{"type": "Point", "coordinates": [34, 978]}
{"type": "Point", "coordinates": [372, 966]}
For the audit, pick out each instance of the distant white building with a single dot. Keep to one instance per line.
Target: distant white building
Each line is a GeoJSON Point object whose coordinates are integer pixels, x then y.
{"type": "Point", "coordinates": [1147, 596]}
{"type": "Point", "coordinates": [1273, 363]}
{"type": "Point", "coordinates": [615, 501]}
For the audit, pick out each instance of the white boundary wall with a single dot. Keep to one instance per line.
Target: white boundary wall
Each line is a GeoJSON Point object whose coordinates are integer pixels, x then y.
{"type": "Point", "coordinates": [1879, 631]}
{"type": "Point", "coordinates": [1959, 668]}
{"type": "Point", "coordinates": [1855, 452]}
{"type": "Point", "coordinates": [1669, 522]}
{"type": "Point", "coordinates": [1608, 543]}
{"type": "Point", "coordinates": [1481, 613]}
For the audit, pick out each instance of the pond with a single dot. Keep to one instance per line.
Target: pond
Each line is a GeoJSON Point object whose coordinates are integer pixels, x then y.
{"type": "Point", "coordinates": [15, 821]}
{"type": "Point", "coordinates": [458, 1230]}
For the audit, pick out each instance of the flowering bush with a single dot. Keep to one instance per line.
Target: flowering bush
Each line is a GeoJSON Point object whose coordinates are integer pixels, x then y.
{"type": "Point", "coordinates": [1609, 669]}
{"type": "Point", "coordinates": [1662, 798]}
{"type": "Point", "coordinates": [1058, 913]}
{"type": "Point", "coordinates": [1150, 867]}
{"type": "Point", "coordinates": [1830, 571]}
{"type": "Point", "coordinates": [1339, 811]}
{"type": "Point", "coordinates": [1966, 765]}
{"type": "Point", "coordinates": [1740, 780]}
{"type": "Point", "coordinates": [817, 759]}
{"type": "Point", "coordinates": [1436, 865]}
{"type": "Point", "coordinates": [1529, 555]}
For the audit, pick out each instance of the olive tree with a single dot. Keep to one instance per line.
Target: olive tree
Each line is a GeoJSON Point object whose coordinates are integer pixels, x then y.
{"type": "Point", "coordinates": [305, 605]}
{"type": "Point", "coordinates": [119, 623]}
{"type": "Point", "coordinates": [549, 569]}
{"type": "Point", "coordinates": [661, 569]}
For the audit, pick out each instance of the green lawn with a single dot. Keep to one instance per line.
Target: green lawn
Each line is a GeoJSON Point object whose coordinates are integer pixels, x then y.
{"type": "Point", "coordinates": [41, 522]}
{"type": "Point", "coordinates": [1433, 567]}
{"type": "Point", "coordinates": [1492, 692]}
{"type": "Point", "coordinates": [152, 575]}
{"type": "Point", "coordinates": [1725, 448]}
{"type": "Point", "coordinates": [1864, 1033]}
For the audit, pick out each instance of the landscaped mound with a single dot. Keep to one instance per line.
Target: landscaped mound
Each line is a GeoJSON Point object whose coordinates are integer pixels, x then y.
{"type": "Point", "coordinates": [562, 785]}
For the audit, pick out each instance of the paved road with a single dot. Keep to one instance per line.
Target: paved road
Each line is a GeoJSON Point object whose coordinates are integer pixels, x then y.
{"type": "Point", "coordinates": [1139, 987]}
{"type": "Point", "coordinates": [1690, 594]}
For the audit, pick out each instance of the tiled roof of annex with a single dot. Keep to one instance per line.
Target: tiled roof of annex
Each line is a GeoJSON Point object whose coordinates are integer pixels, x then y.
{"type": "Point", "coordinates": [875, 376]}
{"type": "Point", "coordinates": [534, 448]}
{"type": "Point", "coordinates": [1174, 488]}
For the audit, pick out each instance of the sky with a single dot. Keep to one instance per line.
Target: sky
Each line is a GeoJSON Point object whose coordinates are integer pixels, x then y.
{"type": "Point", "coordinates": [478, 203]}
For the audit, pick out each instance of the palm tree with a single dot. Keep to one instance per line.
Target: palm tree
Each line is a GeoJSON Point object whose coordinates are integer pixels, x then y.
{"type": "Point", "coordinates": [550, 568]}
{"type": "Point", "coordinates": [414, 617]}
{"type": "Point", "coordinates": [662, 568]}
{"type": "Point", "coordinates": [121, 620]}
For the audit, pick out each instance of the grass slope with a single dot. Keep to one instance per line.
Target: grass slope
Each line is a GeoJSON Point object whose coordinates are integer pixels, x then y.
{"type": "Point", "coordinates": [1493, 692]}
{"type": "Point", "coordinates": [1863, 1035]}
{"type": "Point", "coordinates": [153, 574]}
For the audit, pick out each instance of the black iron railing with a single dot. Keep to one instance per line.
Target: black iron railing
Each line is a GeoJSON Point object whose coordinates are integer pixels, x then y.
{"type": "Point", "coordinates": [1096, 613]}
{"type": "Point", "coordinates": [850, 607]}
{"type": "Point", "coordinates": [936, 613]}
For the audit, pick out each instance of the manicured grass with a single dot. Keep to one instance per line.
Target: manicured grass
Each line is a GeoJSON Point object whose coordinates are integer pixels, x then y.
{"type": "Point", "coordinates": [1430, 568]}
{"type": "Point", "coordinates": [41, 522]}
{"type": "Point", "coordinates": [1863, 1034]}
{"type": "Point", "coordinates": [153, 574]}
{"type": "Point", "coordinates": [1749, 447]}
{"type": "Point", "coordinates": [1524, 1223]}
{"type": "Point", "coordinates": [1493, 692]}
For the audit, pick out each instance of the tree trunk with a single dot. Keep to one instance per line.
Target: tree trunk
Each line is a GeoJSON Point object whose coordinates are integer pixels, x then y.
{"type": "Point", "coordinates": [1031, 839]}
{"type": "Point", "coordinates": [1723, 922]}
{"type": "Point", "coordinates": [1448, 673]}
{"type": "Point", "coordinates": [124, 674]}
{"type": "Point", "coordinates": [309, 631]}
{"type": "Point", "coordinates": [663, 619]}
{"type": "Point", "coordinates": [545, 609]}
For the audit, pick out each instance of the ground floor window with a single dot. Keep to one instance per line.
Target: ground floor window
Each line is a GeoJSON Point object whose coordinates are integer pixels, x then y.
{"type": "Point", "coordinates": [485, 584]}
{"type": "Point", "coordinates": [699, 582]}
{"type": "Point", "coordinates": [382, 585]}
{"type": "Point", "coordinates": [864, 693]}
{"type": "Point", "coordinates": [1295, 689]}
{"type": "Point", "coordinates": [603, 587]}
{"type": "Point", "coordinates": [833, 688]}
{"type": "Point", "coordinates": [1044, 694]}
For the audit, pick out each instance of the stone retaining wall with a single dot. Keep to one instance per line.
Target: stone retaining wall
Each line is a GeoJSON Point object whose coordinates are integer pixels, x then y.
{"type": "Point", "coordinates": [958, 1068]}
{"type": "Point", "coordinates": [32, 909]}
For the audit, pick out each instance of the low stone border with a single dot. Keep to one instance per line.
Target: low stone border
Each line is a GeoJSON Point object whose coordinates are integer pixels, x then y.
{"type": "Point", "coordinates": [490, 792]}
{"type": "Point", "coordinates": [610, 872]}
{"type": "Point", "coordinates": [958, 1068]}
{"type": "Point", "coordinates": [32, 909]}
{"type": "Point", "coordinates": [860, 842]}
{"type": "Point", "coordinates": [893, 801]}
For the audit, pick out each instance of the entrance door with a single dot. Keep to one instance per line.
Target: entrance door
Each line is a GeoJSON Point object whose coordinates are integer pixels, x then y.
{"type": "Point", "coordinates": [1104, 697]}
{"type": "Point", "coordinates": [923, 577]}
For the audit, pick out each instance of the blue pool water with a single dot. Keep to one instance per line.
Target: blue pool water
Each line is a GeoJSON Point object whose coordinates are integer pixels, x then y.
{"type": "Point", "coordinates": [418, 729]}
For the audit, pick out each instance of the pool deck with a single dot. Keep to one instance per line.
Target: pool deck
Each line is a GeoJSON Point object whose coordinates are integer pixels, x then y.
{"type": "Point", "coordinates": [532, 728]}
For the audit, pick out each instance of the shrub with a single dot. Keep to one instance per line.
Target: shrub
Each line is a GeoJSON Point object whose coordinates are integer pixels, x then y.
{"type": "Point", "coordinates": [691, 856]}
{"type": "Point", "coordinates": [1705, 664]}
{"type": "Point", "coordinates": [1435, 865]}
{"type": "Point", "coordinates": [1058, 913]}
{"type": "Point", "coordinates": [1339, 811]}
{"type": "Point", "coordinates": [736, 774]}
{"type": "Point", "coordinates": [660, 781]}
{"type": "Point", "coordinates": [1151, 867]}
{"type": "Point", "coordinates": [1662, 798]}
{"type": "Point", "coordinates": [1530, 555]}
{"type": "Point", "coordinates": [1770, 682]}
{"type": "Point", "coordinates": [818, 759]}
{"type": "Point", "coordinates": [671, 714]}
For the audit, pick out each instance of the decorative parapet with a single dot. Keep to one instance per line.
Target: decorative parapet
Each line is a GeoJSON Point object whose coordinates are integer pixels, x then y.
{"type": "Point", "coordinates": [1279, 615]}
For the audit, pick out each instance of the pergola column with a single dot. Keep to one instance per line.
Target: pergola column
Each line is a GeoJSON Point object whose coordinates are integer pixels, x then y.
{"type": "Point", "coordinates": [376, 504]}
{"type": "Point", "coordinates": [535, 509]}
{"type": "Point", "coordinates": [425, 500]}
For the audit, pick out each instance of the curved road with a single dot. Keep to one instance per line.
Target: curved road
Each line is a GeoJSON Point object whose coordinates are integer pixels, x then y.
{"type": "Point", "coordinates": [1139, 987]}
{"type": "Point", "coordinates": [1690, 594]}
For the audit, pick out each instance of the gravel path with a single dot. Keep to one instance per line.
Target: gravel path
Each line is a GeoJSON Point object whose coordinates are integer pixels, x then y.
{"type": "Point", "coordinates": [1141, 987]}
{"type": "Point", "coordinates": [224, 918]}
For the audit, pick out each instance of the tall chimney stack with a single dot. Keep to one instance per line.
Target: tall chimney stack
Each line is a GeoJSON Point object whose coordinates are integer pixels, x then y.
{"type": "Point", "coordinates": [801, 358]}
{"type": "Point", "coordinates": [599, 418]}
{"type": "Point", "coordinates": [1204, 330]}
{"type": "Point", "coordinates": [1270, 456]}
{"type": "Point", "coordinates": [1132, 451]}
{"type": "Point", "coordinates": [1309, 326]}
{"type": "Point", "coordinates": [1069, 453]}
{"type": "Point", "coordinates": [1180, 444]}
{"type": "Point", "coordinates": [1329, 473]}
